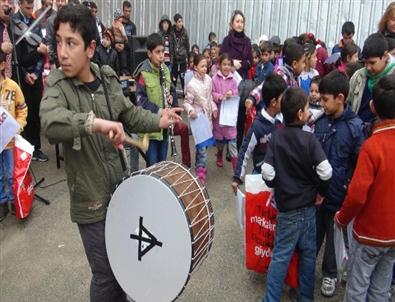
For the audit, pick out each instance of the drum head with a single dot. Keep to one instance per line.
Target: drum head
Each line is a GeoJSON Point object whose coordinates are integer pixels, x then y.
{"type": "Point", "coordinates": [148, 239]}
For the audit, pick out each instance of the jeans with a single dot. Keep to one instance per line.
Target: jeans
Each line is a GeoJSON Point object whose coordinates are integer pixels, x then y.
{"type": "Point", "coordinates": [157, 151]}
{"type": "Point", "coordinates": [104, 287]}
{"type": "Point", "coordinates": [201, 157]}
{"type": "Point", "coordinates": [295, 230]}
{"type": "Point", "coordinates": [370, 273]}
{"type": "Point", "coordinates": [6, 175]}
{"type": "Point", "coordinates": [325, 228]}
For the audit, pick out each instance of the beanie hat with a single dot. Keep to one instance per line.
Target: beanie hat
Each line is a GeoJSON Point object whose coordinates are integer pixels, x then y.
{"type": "Point", "coordinates": [117, 14]}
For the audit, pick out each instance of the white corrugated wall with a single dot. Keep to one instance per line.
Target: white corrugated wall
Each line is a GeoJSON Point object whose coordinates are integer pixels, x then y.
{"type": "Point", "coordinates": [270, 17]}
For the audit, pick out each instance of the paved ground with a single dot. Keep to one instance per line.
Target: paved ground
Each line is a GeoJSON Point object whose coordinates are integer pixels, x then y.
{"type": "Point", "coordinates": [42, 259]}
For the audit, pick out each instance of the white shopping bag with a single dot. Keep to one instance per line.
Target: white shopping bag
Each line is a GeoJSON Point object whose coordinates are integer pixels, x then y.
{"type": "Point", "coordinates": [340, 249]}
{"type": "Point", "coordinates": [240, 208]}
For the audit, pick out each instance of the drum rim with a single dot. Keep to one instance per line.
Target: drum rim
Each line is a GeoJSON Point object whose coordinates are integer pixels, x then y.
{"type": "Point", "coordinates": [139, 172]}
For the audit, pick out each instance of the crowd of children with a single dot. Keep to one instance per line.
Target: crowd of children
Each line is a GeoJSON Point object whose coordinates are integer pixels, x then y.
{"type": "Point", "coordinates": [323, 137]}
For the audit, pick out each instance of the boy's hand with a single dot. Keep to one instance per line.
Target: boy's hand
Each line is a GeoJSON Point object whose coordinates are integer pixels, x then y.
{"type": "Point", "coordinates": [42, 48]}
{"type": "Point", "coordinates": [248, 103]}
{"type": "Point", "coordinates": [114, 131]}
{"type": "Point", "coordinates": [235, 186]}
{"type": "Point", "coordinates": [192, 114]}
{"type": "Point", "coordinates": [319, 200]}
{"type": "Point", "coordinates": [169, 117]}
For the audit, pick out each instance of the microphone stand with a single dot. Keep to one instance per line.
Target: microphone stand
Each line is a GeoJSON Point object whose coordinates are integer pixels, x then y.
{"type": "Point", "coordinates": [15, 63]}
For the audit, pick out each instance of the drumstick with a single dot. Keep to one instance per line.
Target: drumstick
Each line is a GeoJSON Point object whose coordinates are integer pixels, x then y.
{"type": "Point", "coordinates": [141, 144]}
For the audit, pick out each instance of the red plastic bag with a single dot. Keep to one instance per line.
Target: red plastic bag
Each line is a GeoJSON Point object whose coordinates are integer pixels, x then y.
{"type": "Point", "coordinates": [260, 222]}
{"type": "Point", "coordinates": [250, 117]}
{"type": "Point", "coordinates": [23, 184]}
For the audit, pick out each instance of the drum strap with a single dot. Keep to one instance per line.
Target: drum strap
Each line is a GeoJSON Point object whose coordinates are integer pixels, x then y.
{"type": "Point", "coordinates": [121, 155]}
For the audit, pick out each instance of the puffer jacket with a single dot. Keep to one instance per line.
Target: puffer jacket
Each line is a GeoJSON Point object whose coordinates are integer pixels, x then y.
{"type": "Point", "coordinates": [341, 140]}
{"type": "Point", "coordinates": [92, 162]}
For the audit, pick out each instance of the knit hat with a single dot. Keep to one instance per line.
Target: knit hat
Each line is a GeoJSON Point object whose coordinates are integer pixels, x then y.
{"type": "Point", "coordinates": [275, 40]}
{"type": "Point", "coordinates": [177, 17]}
{"type": "Point", "coordinates": [117, 14]}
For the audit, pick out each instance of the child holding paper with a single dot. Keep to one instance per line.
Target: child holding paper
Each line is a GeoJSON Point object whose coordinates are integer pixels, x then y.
{"type": "Point", "coordinates": [198, 101]}
{"type": "Point", "coordinates": [224, 87]}
{"type": "Point", "coordinates": [11, 98]}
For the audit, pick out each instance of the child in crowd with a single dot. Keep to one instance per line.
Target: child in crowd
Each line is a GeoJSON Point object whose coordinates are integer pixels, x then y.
{"type": "Point", "coordinates": [120, 40]}
{"type": "Point", "coordinates": [105, 54]}
{"type": "Point", "coordinates": [164, 31]}
{"type": "Point", "coordinates": [195, 49]}
{"type": "Point", "coordinates": [315, 108]}
{"type": "Point", "coordinates": [348, 54]}
{"type": "Point", "coordinates": [207, 56]}
{"type": "Point", "coordinates": [309, 71]}
{"type": "Point", "coordinates": [265, 66]}
{"type": "Point", "coordinates": [294, 64]}
{"type": "Point", "coordinates": [251, 74]}
{"type": "Point", "coordinates": [149, 94]}
{"type": "Point", "coordinates": [351, 68]}
{"type": "Point", "coordinates": [296, 167]}
{"type": "Point", "coordinates": [370, 200]}
{"type": "Point", "coordinates": [212, 37]}
{"type": "Point", "coordinates": [258, 136]}
{"type": "Point", "coordinates": [224, 87]}
{"type": "Point", "coordinates": [214, 52]}
{"type": "Point", "coordinates": [190, 70]}
{"type": "Point", "coordinates": [340, 132]}
{"type": "Point", "coordinates": [12, 100]}
{"type": "Point", "coordinates": [199, 99]}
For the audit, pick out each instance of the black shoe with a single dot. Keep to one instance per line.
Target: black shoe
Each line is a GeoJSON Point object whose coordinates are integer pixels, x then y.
{"type": "Point", "coordinates": [39, 155]}
{"type": "Point", "coordinates": [12, 208]}
{"type": "Point", "coordinates": [3, 211]}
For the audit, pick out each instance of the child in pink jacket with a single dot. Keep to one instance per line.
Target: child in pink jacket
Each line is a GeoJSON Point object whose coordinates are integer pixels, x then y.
{"type": "Point", "coordinates": [224, 86]}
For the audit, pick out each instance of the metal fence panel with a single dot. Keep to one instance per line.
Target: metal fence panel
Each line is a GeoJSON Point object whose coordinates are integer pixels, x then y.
{"type": "Point", "coordinates": [284, 18]}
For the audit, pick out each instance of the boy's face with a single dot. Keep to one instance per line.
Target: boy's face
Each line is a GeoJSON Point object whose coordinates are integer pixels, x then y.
{"type": "Point", "coordinates": [179, 24]}
{"type": "Point", "coordinates": [26, 8]}
{"type": "Point", "coordinates": [73, 56]}
{"type": "Point", "coordinates": [304, 114]}
{"type": "Point", "coordinates": [255, 58]}
{"type": "Point", "coordinates": [332, 104]}
{"type": "Point", "coordinates": [106, 42]}
{"type": "Point", "coordinates": [214, 52]}
{"type": "Point", "coordinates": [127, 11]}
{"type": "Point", "coordinates": [314, 93]}
{"type": "Point", "coordinates": [347, 38]}
{"type": "Point", "coordinates": [157, 55]}
{"type": "Point", "coordinates": [376, 65]}
{"type": "Point", "coordinates": [165, 25]}
{"type": "Point", "coordinates": [265, 56]}
{"type": "Point", "coordinates": [298, 66]}
{"type": "Point", "coordinates": [276, 104]}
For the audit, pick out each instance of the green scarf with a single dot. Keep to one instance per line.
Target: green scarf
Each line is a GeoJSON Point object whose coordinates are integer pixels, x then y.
{"type": "Point", "coordinates": [372, 80]}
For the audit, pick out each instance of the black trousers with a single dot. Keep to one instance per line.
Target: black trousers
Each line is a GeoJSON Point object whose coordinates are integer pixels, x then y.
{"type": "Point", "coordinates": [104, 287]}
{"type": "Point", "coordinates": [179, 70]}
{"type": "Point", "coordinates": [324, 221]}
{"type": "Point", "coordinates": [33, 95]}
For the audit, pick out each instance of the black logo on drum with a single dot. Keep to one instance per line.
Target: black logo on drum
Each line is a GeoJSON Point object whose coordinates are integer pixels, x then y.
{"type": "Point", "coordinates": [151, 240]}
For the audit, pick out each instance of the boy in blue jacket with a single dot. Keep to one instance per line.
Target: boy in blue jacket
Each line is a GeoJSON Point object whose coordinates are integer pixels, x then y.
{"type": "Point", "coordinates": [258, 136]}
{"type": "Point", "coordinates": [340, 133]}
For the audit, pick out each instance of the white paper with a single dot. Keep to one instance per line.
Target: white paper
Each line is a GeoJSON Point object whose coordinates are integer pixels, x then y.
{"type": "Point", "coordinates": [240, 206]}
{"type": "Point", "coordinates": [9, 127]}
{"type": "Point", "coordinates": [229, 111]}
{"type": "Point", "coordinates": [201, 128]}
{"type": "Point", "coordinates": [340, 249]}
{"type": "Point", "coordinates": [237, 77]}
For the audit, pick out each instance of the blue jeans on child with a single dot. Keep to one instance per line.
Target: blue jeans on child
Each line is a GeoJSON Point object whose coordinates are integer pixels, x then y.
{"type": "Point", "coordinates": [6, 175]}
{"type": "Point", "coordinates": [369, 274]}
{"type": "Point", "coordinates": [201, 157]}
{"type": "Point", "coordinates": [295, 230]}
{"type": "Point", "coordinates": [157, 151]}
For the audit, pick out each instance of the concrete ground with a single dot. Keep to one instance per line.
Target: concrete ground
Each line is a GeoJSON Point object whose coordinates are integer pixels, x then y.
{"type": "Point", "coordinates": [42, 259]}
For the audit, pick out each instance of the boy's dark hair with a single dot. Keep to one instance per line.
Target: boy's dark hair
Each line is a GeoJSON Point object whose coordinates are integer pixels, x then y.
{"type": "Point", "coordinates": [294, 99]}
{"type": "Point", "coordinates": [154, 40]}
{"type": "Point", "coordinates": [308, 49]}
{"type": "Point", "coordinates": [3, 57]}
{"type": "Point", "coordinates": [255, 48]}
{"type": "Point", "coordinates": [335, 83]}
{"type": "Point", "coordinates": [126, 4]}
{"type": "Point", "coordinates": [375, 46]}
{"type": "Point", "coordinates": [211, 34]}
{"type": "Point", "coordinates": [266, 46]}
{"type": "Point", "coordinates": [348, 50]}
{"type": "Point", "coordinates": [384, 97]}
{"type": "Point", "coordinates": [177, 17]}
{"type": "Point", "coordinates": [293, 52]}
{"type": "Point", "coordinates": [27, 1]}
{"type": "Point", "coordinates": [197, 59]}
{"type": "Point", "coordinates": [213, 44]}
{"type": "Point", "coordinates": [348, 28]}
{"type": "Point", "coordinates": [351, 68]}
{"type": "Point", "coordinates": [80, 20]}
{"type": "Point", "coordinates": [225, 56]}
{"type": "Point", "coordinates": [205, 50]}
{"type": "Point", "coordinates": [273, 87]}
{"type": "Point", "coordinates": [90, 4]}
{"type": "Point", "coordinates": [316, 80]}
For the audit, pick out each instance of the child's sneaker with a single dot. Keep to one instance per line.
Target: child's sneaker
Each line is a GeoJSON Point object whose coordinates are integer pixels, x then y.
{"type": "Point", "coordinates": [201, 174]}
{"type": "Point", "coordinates": [328, 286]}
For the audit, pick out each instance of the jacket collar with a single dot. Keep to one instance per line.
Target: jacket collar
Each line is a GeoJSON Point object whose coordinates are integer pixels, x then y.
{"type": "Point", "coordinates": [384, 126]}
{"type": "Point", "coordinates": [229, 76]}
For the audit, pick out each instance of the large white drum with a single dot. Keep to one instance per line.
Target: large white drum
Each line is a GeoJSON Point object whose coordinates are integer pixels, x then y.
{"type": "Point", "coordinates": [159, 228]}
